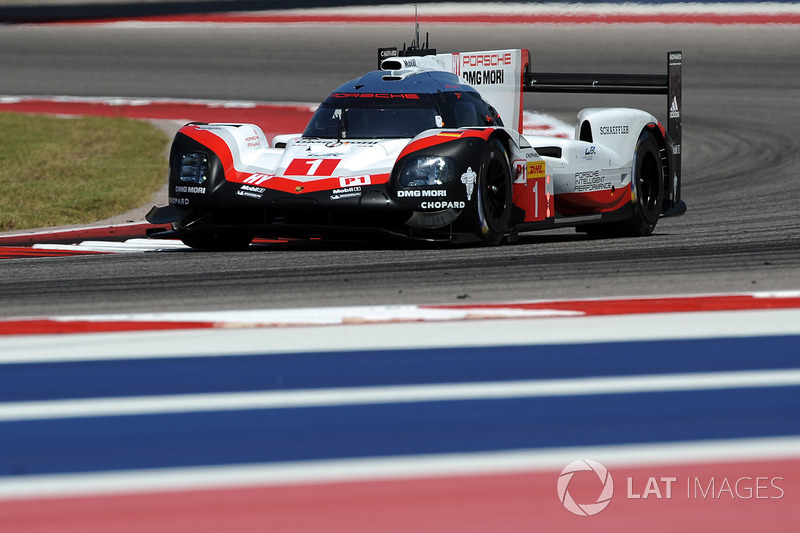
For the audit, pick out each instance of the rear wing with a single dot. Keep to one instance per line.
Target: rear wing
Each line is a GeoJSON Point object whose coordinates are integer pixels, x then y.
{"type": "Point", "coordinates": [668, 84]}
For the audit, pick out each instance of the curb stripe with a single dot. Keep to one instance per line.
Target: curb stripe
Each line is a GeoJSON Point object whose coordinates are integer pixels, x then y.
{"type": "Point", "coordinates": [403, 313]}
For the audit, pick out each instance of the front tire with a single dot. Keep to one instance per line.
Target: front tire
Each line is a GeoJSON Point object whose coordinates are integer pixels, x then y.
{"type": "Point", "coordinates": [493, 196]}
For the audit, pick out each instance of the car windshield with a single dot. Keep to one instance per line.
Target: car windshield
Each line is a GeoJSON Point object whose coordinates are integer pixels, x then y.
{"type": "Point", "coordinates": [387, 115]}
{"type": "Point", "coordinates": [372, 119]}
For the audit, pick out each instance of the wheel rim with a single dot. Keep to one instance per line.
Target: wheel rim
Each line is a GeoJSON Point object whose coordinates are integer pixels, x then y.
{"type": "Point", "coordinates": [495, 191]}
{"type": "Point", "coordinates": [649, 183]}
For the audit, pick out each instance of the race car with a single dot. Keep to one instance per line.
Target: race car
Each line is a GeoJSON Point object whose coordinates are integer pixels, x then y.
{"type": "Point", "coordinates": [430, 147]}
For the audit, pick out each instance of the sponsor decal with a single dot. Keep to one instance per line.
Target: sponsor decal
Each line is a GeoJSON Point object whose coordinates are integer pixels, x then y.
{"type": "Point", "coordinates": [421, 193]}
{"type": "Point", "coordinates": [469, 178]}
{"type": "Point", "coordinates": [346, 190]}
{"type": "Point", "coordinates": [674, 112]}
{"type": "Point", "coordinates": [249, 194]}
{"type": "Point", "coordinates": [178, 201]}
{"type": "Point", "coordinates": [590, 152]}
{"type": "Point", "coordinates": [389, 96]}
{"type": "Point", "coordinates": [536, 169]}
{"type": "Point", "coordinates": [341, 196]}
{"type": "Point", "coordinates": [251, 191]}
{"type": "Point", "coordinates": [442, 205]}
{"type": "Point", "coordinates": [614, 130]}
{"type": "Point", "coordinates": [519, 171]}
{"type": "Point", "coordinates": [253, 141]}
{"type": "Point", "coordinates": [354, 181]}
{"type": "Point", "coordinates": [675, 56]}
{"type": "Point", "coordinates": [591, 180]}
{"type": "Point", "coordinates": [310, 142]}
{"type": "Point", "coordinates": [258, 178]}
{"type": "Point", "coordinates": [485, 77]}
{"type": "Point", "coordinates": [299, 188]}
{"type": "Point", "coordinates": [189, 190]}
{"type": "Point", "coordinates": [492, 59]}
{"type": "Point", "coordinates": [383, 53]}
{"type": "Point", "coordinates": [676, 149]}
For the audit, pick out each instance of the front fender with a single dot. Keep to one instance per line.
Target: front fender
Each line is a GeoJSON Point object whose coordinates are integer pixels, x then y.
{"type": "Point", "coordinates": [190, 194]}
{"type": "Point", "coordinates": [464, 148]}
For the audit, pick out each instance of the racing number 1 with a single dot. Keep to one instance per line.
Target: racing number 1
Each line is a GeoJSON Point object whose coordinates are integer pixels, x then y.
{"type": "Point", "coordinates": [538, 182]}
{"type": "Point", "coordinates": [312, 167]}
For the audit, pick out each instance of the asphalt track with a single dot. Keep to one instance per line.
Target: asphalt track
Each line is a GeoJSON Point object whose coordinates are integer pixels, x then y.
{"type": "Point", "coordinates": [740, 166]}
{"type": "Point", "coordinates": [423, 436]}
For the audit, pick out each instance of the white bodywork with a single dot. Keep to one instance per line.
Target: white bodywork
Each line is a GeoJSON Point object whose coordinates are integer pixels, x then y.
{"type": "Point", "coordinates": [582, 167]}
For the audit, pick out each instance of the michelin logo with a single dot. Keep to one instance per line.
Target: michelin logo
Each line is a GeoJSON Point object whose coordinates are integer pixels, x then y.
{"type": "Point", "coordinates": [468, 178]}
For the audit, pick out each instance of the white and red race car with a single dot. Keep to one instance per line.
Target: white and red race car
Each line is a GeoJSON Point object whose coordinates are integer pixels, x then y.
{"type": "Point", "coordinates": [429, 147]}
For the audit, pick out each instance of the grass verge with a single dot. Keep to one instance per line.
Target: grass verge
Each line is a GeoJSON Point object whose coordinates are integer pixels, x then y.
{"type": "Point", "coordinates": [59, 171]}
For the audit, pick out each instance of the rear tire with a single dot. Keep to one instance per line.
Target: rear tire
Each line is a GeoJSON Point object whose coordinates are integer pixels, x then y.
{"type": "Point", "coordinates": [493, 196]}
{"type": "Point", "coordinates": [647, 193]}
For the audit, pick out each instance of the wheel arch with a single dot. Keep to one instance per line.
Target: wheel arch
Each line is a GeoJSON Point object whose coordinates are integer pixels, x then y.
{"type": "Point", "coordinates": [505, 139]}
{"type": "Point", "coordinates": [488, 215]}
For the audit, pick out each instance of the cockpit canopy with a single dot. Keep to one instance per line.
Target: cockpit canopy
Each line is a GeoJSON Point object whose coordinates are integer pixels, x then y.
{"type": "Point", "coordinates": [354, 112]}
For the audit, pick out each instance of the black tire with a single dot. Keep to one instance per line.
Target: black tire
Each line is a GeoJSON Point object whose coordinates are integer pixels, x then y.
{"type": "Point", "coordinates": [218, 241]}
{"type": "Point", "coordinates": [648, 182]}
{"type": "Point", "coordinates": [647, 193]}
{"type": "Point", "coordinates": [493, 195]}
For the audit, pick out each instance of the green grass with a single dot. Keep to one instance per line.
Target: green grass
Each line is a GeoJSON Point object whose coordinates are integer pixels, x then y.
{"type": "Point", "coordinates": [60, 171]}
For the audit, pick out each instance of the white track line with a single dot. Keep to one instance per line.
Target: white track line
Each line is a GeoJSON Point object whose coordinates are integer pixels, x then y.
{"type": "Point", "coordinates": [393, 468]}
{"type": "Point", "coordinates": [128, 246]}
{"type": "Point", "coordinates": [189, 403]}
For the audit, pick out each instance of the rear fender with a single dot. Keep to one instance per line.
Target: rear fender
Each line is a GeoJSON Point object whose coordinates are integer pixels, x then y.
{"type": "Point", "coordinates": [615, 128]}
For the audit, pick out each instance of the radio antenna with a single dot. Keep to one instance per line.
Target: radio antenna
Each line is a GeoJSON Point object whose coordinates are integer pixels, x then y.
{"type": "Point", "coordinates": [416, 28]}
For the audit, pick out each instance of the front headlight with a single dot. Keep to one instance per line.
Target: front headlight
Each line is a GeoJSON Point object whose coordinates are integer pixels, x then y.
{"type": "Point", "coordinates": [193, 168]}
{"type": "Point", "coordinates": [429, 170]}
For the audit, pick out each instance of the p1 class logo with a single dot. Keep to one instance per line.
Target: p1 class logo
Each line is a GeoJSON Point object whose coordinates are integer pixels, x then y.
{"type": "Point", "coordinates": [585, 509]}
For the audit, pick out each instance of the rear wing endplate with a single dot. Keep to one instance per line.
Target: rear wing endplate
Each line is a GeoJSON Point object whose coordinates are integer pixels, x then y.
{"type": "Point", "coordinates": [668, 84]}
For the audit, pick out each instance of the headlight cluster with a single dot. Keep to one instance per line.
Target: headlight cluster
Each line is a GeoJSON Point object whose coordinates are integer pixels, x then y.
{"type": "Point", "coordinates": [430, 170]}
{"type": "Point", "coordinates": [194, 168]}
